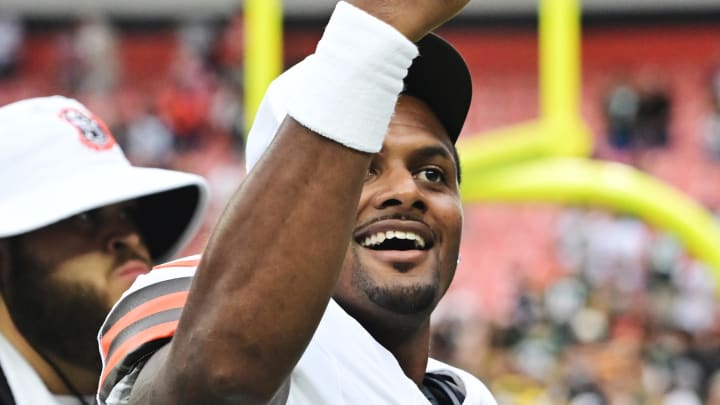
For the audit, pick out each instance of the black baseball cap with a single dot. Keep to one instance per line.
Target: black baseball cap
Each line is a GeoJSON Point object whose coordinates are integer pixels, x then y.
{"type": "Point", "coordinates": [440, 77]}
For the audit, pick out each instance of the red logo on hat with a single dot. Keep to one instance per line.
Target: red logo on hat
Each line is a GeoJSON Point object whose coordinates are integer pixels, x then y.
{"type": "Point", "coordinates": [93, 132]}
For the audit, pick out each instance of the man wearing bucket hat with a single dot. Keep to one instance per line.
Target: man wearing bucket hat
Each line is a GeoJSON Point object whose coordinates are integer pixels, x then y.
{"type": "Point", "coordinates": [78, 224]}
{"type": "Point", "coordinates": [319, 280]}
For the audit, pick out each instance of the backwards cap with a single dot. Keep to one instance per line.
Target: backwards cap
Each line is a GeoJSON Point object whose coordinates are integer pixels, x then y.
{"type": "Point", "coordinates": [57, 159]}
{"type": "Point", "coordinates": [439, 77]}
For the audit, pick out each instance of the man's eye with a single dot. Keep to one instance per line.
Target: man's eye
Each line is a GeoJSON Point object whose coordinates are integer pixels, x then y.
{"type": "Point", "coordinates": [83, 216]}
{"type": "Point", "coordinates": [86, 217]}
{"type": "Point", "coordinates": [431, 175]}
{"type": "Point", "coordinates": [129, 213]}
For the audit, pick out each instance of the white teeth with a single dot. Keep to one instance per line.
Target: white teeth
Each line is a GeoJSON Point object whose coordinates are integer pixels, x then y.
{"type": "Point", "coordinates": [380, 237]}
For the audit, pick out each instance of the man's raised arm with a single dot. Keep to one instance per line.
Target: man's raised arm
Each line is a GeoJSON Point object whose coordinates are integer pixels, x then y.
{"type": "Point", "coordinates": [272, 262]}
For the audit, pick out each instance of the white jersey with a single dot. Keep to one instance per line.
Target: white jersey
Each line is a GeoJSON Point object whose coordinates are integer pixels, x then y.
{"type": "Point", "coordinates": [26, 386]}
{"type": "Point", "coordinates": [343, 363]}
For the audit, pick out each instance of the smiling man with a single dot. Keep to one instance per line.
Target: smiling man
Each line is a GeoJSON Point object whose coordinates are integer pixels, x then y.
{"type": "Point", "coordinates": [78, 224]}
{"type": "Point", "coordinates": [319, 280]}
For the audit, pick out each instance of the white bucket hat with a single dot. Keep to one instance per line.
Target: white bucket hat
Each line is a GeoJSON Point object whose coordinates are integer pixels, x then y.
{"type": "Point", "coordinates": [57, 159]}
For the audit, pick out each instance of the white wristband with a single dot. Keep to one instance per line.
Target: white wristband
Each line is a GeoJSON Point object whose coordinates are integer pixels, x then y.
{"type": "Point", "coordinates": [351, 83]}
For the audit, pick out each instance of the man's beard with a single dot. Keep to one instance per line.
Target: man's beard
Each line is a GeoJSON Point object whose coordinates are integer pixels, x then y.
{"type": "Point", "coordinates": [57, 317]}
{"type": "Point", "coordinates": [404, 300]}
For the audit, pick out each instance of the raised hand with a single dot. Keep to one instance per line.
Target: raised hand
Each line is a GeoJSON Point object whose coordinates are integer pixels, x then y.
{"type": "Point", "coordinates": [413, 18]}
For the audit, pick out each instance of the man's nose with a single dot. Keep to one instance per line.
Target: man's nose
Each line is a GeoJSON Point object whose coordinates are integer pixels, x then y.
{"type": "Point", "coordinates": [124, 235]}
{"type": "Point", "coordinates": [400, 188]}
{"type": "Point", "coordinates": [123, 240]}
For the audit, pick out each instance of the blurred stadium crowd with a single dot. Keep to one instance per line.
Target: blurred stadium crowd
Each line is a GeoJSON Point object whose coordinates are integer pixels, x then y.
{"type": "Point", "coordinates": [570, 305]}
{"type": "Point", "coordinates": [629, 320]}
